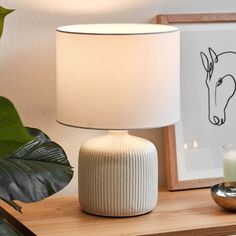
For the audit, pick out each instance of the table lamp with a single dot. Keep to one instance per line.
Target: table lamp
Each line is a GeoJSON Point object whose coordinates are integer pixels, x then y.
{"type": "Point", "coordinates": [117, 77]}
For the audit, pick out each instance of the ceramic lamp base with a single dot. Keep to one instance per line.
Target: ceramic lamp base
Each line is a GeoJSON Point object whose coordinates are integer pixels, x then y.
{"type": "Point", "coordinates": [118, 175]}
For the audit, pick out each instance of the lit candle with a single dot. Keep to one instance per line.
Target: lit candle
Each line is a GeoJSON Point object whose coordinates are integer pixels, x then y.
{"type": "Point", "coordinates": [230, 163]}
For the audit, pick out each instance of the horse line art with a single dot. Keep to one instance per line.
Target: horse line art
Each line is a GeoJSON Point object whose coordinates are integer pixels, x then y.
{"type": "Point", "coordinates": [220, 82]}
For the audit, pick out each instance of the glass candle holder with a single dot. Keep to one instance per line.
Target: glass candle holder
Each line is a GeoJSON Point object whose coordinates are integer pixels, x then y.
{"type": "Point", "coordinates": [229, 151]}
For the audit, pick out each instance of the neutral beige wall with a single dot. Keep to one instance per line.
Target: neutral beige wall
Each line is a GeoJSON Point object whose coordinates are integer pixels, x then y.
{"type": "Point", "coordinates": [27, 57]}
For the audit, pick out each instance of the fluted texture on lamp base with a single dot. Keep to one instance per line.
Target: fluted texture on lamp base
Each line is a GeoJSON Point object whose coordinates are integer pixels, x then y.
{"type": "Point", "coordinates": [118, 175]}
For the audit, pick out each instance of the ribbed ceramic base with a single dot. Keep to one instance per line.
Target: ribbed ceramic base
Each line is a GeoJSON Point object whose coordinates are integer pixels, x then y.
{"type": "Point", "coordinates": [118, 175]}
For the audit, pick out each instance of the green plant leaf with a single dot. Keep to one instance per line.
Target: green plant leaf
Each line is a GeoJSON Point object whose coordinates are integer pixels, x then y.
{"type": "Point", "coordinates": [13, 134]}
{"type": "Point", "coordinates": [7, 230]}
{"type": "Point", "coordinates": [35, 171]}
{"type": "Point", "coordinates": [3, 12]}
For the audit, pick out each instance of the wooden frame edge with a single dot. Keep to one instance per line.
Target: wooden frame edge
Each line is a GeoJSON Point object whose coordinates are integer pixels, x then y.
{"type": "Point", "coordinates": [195, 18]}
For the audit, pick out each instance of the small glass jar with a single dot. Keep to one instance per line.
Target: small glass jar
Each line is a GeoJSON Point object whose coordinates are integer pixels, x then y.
{"type": "Point", "coordinates": [229, 151]}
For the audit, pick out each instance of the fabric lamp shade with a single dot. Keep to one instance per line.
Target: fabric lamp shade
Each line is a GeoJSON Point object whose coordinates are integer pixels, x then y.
{"type": "Point", "coordinates": [117, 76]}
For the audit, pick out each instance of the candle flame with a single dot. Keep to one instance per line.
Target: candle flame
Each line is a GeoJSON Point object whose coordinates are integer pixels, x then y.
{"type": "Point", "coordinates": [185, 146]}
{"type": "Point", "coordinates": [195, 144]}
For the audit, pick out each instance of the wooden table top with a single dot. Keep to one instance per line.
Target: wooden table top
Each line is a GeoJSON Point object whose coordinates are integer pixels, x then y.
{"type": "Point", "coordinates": [191, 212]}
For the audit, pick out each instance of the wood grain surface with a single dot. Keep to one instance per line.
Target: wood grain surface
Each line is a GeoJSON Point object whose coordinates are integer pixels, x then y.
{"type": "Point", "coordinates": [189, 212]}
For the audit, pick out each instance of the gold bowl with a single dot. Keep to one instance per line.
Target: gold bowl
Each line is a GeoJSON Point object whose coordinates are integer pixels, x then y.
{"type": "Point", "coordinates": [224, 194]}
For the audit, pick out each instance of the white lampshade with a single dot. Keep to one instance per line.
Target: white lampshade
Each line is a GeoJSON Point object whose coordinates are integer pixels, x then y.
{"type": "Point", "coordinates": [118, 76]}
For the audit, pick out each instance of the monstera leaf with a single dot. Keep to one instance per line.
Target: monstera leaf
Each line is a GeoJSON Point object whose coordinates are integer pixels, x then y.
{"type": "Point", "coordinates": [3, 13]}
{"type": "Point", "coordinates": [12, 132]}
{"type": "Point", "coordinates": [33, 171]}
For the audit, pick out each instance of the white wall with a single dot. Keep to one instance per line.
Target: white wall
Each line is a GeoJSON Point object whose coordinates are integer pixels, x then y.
{"type": "Point", "coordinates": [27, 57]}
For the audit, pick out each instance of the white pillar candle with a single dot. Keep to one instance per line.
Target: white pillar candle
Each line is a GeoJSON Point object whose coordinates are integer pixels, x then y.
{"type": "Point", "coordinates": [230, 164]}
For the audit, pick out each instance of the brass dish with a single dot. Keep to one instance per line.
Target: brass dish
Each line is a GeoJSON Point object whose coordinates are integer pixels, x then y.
{"type": "Point", "coordinates": [224, 195]}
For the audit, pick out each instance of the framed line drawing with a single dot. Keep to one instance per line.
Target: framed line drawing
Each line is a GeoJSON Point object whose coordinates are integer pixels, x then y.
{"type": "Point", "coordinates": [193, 147]}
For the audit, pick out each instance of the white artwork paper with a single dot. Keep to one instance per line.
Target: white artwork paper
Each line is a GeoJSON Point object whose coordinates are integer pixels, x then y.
{"type": "Point", "coordinates": [208, 99]}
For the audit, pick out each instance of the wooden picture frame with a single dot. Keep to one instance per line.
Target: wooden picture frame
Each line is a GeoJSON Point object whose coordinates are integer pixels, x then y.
{"type": "Point", "coordinates": [173, 182]}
